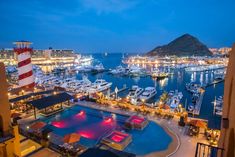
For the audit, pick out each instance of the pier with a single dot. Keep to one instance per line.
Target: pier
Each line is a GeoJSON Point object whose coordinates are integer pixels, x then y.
{"type": "Point", "coordinates": [119, 90]}
{"type": "Point", "coordinates": [213, 83]}
{"type": "Point", "coordinates": [197, 107]}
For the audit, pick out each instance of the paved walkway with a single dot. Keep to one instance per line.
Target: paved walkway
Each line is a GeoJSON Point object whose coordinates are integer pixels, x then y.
{"type": "Point", "coordinates": [184, 145]}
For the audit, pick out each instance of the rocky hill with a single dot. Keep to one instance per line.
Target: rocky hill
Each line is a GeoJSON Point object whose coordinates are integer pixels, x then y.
{"type": "Point", "coordinates": [185, 45]}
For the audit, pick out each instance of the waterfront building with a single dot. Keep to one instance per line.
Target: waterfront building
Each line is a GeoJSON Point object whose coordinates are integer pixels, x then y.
{"type": "Point", "coordinates": [9, 135]}
{"type": "Point", "coordinates": [227, 140]}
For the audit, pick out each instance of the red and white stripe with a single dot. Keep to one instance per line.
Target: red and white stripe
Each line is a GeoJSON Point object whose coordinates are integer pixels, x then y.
{"type": "Point", "coordinates": [25, 68]}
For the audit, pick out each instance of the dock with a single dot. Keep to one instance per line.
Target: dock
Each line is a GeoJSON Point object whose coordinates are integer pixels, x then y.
{"type": "Point", "coordinates": [119, 90]}
{"type": "Point", "coordinates": [197, 107]}
{"type": "Point", "coordinates": [213, 83]}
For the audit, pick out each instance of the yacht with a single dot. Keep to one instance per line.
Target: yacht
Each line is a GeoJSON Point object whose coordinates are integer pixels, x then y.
{"type": "Point", "coordinates": [175, 98]}
{"type": "Point", "coordinates": [98, 68]}
{"type": "Point", "coordinates": [218, 105]}
{"type": "Point", "coordinates": [135, 92]}
{"type": "Point", "coordinates": [149, 92]}
{"type": "Point", "coordinates": [118, 71]}
{"type": "Point", "coordinates": [135, 71]}
{"type": "Point", "coordinates": [86, 68]}
{"type": "Point", "coordinates": [159, 75]}
{"type": "Point", "coordinates": [193, 87]}
{"type": "Point", "coordinates": [99, 85]}
{"type": "Point", "coordinates": [175, 101]}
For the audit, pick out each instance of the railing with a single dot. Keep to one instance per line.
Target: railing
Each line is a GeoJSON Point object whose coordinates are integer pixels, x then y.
{"type": "Point", "coordinates": [205, 150]}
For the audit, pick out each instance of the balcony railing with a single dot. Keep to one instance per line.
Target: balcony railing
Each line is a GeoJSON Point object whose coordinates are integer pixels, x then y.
{"type": "Point", "coordinates": [205, 150]}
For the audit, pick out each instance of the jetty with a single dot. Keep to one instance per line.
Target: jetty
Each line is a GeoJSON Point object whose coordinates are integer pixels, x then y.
{"type": "Point", "coordinates": [116, 91]}
{"type": "Point", "coordinates": [197, 107]}
{"type": "Point", "coordinates": [213, 83]}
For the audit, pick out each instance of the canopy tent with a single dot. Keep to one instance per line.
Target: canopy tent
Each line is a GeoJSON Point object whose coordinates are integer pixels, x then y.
{"type": "Point", "coordinates": [50, 100]}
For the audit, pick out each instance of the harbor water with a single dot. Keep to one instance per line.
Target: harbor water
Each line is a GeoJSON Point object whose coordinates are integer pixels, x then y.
{"type": "Point", "coordinates": [176, 81]}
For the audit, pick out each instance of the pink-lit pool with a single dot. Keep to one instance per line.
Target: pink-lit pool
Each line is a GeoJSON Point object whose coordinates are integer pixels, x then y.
{"type": "Point", "coordinates": [93, 125]}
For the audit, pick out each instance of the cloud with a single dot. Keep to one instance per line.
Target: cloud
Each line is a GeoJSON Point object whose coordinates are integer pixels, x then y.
{"type": "Point", "coordinates": [109, 6]}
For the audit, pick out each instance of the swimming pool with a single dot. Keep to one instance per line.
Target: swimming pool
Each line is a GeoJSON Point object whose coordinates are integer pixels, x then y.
{"type": "Point", "coordinates": [93, 124]}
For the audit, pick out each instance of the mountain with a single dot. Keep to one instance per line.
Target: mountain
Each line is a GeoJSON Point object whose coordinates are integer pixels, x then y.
{"type": "Point", "coordinates": [185, 45]}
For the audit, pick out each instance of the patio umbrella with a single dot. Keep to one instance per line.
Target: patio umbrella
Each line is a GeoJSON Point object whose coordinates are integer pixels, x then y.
{"type": "Point", "coordinates": [199, 123]}
{"type": "Point", "coordinates": [71, 138]}
{"type": "Point", "coordinates": [38, 125]}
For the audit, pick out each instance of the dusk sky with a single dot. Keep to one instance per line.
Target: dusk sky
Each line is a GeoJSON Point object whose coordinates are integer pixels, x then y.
{"type": "Point", "coordinates": [115, 25]}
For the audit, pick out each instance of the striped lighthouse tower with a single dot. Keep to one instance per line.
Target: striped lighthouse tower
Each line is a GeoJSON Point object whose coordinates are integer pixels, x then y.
{"type": "Point", "coordinates": [25, 69]}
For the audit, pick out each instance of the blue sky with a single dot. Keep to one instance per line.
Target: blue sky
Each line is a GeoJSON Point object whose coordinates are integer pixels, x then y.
{"type": "Point", "coordinates": [115, 25]}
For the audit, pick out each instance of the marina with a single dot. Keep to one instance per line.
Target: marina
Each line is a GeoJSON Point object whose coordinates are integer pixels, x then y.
{"type": "Point", "coordinates": [116, 78]}
{"type": "Point", "coordinates": [120, 102]}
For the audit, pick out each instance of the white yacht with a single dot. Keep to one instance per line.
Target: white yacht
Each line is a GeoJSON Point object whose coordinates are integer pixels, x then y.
{"type": "Point", "coordinates": [175, 100]}
{"type": "Point", "coordinates": [135, 92]}
{"type": "Point", "coordinates": [118, 70]}
{"type": "Point", "coordinates": [98, 68]}
{"type": "Point", "coordinates": [148, 93]}
{"type": "Point", "coordinates": [135, 71]}
{"type": "Point", "coordinates": [99, 85]}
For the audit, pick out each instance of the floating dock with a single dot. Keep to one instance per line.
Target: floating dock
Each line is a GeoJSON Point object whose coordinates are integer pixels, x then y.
{"type": "Point", "coordinates": [213, 83]}
{"type": "Point", "coordinates": [197, 107]}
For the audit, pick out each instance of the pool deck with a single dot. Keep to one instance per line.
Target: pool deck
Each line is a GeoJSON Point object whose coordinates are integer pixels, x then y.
{"type": "Point", "coordinates": [181, 145]}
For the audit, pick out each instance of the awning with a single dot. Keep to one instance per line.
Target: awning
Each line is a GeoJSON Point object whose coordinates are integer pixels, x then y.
{"type": "Point", "coordinates": [29, 95]}
{"type": "Point", "coordinates": [50, 100]}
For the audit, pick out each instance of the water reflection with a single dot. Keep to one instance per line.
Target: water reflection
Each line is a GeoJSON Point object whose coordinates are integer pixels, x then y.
{"type": "Point", "coordinates": [201, 78]}
{"type": "Point", "coordinates": [163, 83]}
{"type": "Point", "coordinates": [206, 78]}
{"type": "Point", "coordinates": [136, 79]}
{"type": "Point", "coordinates": [193, 77]}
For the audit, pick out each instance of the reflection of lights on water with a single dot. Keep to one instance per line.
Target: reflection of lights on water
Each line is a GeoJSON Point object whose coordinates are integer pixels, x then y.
{"type": "Point", "coordinates": [163, 82]}
{"type": "Point", "coordinates": [193, 77]}
{"type": "Point", "coordinates": [114, 116]}
{"type": "Point", "coordinates": [136, 79]}
{"type": "Point", "coordinates": [201, 77]}
{"type": "Point", "coordinates": [206, 78]}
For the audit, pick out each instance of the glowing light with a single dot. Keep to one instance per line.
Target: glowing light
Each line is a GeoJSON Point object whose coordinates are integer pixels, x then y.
{"type": "Point", "coordinates": [59, 124]}
{"type": "Point", "coordinates": [137, 120]}
{"type": "Point", "coordinates": [117, 138]}
{"type": "Point", "coordinates": [86, 134]}
{"type": "Point", "coordinates": [81, 113]}
{"type": "Point", "coordinates": [108, 120]}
